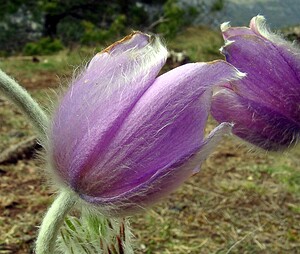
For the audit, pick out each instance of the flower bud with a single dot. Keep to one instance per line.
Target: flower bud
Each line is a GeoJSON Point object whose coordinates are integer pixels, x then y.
{"type": "Point", "coordinates": [122, 138]}
{"type": "Point", "coordinates": [265, 105]}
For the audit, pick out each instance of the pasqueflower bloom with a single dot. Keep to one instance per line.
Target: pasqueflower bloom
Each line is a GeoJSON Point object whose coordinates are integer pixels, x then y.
{"type": "Point", "coordinates": [121, 137]}
{"type": "Point", "coordinates": [265, 105]}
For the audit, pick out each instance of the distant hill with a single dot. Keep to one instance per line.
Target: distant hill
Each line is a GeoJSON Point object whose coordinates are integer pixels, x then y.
{"type": "Point", "coordinates": [279, 13]}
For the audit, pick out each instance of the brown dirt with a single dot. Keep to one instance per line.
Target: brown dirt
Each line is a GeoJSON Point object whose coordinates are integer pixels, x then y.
{"type": "Point", "coordinates": [42, 80]}
{"type": "Point", "coordinates": [234, 205]}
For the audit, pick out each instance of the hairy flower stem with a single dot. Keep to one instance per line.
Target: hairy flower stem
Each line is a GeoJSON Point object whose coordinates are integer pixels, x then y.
{"type": "Point", "coordinates": [93, 233]}
{"type": "Point", "coordinates": [19, 96]}
{"type": "Point", "coordinates": [52, 222]}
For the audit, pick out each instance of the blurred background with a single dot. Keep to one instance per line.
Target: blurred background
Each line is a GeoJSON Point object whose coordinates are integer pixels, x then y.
{"type": "Point", "coordinates": [44, 26]}
{"type": "Point", "coordinates": [242, 201]}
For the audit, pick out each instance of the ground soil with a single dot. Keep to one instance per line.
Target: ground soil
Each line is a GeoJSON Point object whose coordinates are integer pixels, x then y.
{"type": "Point", "coordinates": [236, 204]}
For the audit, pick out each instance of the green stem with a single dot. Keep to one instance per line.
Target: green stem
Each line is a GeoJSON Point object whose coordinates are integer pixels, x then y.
{"type": "Point", "coordinates": [13, 91]}
{"type": "Point", "coordinates": [52, 222]}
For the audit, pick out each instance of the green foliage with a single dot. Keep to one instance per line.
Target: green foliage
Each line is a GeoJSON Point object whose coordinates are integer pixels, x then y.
{"type": "Point", "coordinates": [45, 46]}
{"type": "Point", "coordinates": [175, 18]}
{"type": "Point", "coordinates": [26, 21]}
{"type": "Point", "coordinates": [199, 43]}
{"type": "Point", "coordinates": [118, 26]}
{"type": "Point", "coordinates": [93, 35]}
{"type": "Point", "coordinates": [288, 176]}
{"type": "Point", "coordinates": [17, 29]}
{"type": "Point", "coordinates": [4, 53]}
{"type": "Point", "coordinates": [137, 16]}
{"type": "Point", "coordinates": [49, 7]}
{"type": "Point", "coordinates": [70, 31]}
{"type": "Point", "coordinates": [174, 21]}
{"type": "Point", "coordinates": [192, 13]}
{"type": "Point", "coordinates": [218, 5]}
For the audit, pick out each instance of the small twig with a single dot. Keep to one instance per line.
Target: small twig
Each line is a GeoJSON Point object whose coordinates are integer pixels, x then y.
{"type": "Point", "coordinates": [157, 22]}
{"type": "Point", "coordinates": [239, 241]}
{"type": "Point", "coordinates": [24, 149]}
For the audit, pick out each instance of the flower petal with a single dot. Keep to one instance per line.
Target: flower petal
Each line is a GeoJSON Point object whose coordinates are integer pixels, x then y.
{"type": "Point", "coordinates": [289, 51]}
{"type": "Point", "coordinates": [99, 100]}
{"type": "Point", "coordinates": [254, 122]}
{"type": "Point", "coordinates": [165, 127]}
{"type": "Point", "coordinates": [269, 75]}
{"type": "Point", "coordinates": [228, 31]}
{"type": "Point", "coordinates": [162, 183]}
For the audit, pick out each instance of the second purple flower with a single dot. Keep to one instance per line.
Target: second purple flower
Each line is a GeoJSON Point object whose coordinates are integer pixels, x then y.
{"type": "Point", "coordinates": [265, 105]}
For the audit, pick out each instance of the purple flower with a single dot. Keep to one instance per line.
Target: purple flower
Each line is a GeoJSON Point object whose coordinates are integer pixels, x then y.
{"type": "Point", "coordinates": [122, 137]}
{"type": "Point", "coordinates": [265, 105]}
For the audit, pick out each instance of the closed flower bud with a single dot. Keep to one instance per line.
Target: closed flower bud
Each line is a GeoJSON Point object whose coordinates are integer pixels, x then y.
{"type": "Point", "coordinates": [121, 137]}
{"type": "Point", "coordinates": [265, 105]}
